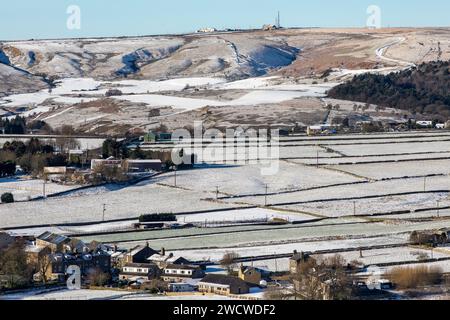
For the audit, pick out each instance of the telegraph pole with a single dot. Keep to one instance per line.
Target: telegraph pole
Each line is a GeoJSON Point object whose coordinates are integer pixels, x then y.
{"type": "Point", "coordinates": [43, 187]}
{"type": "Point", "coordinates": [438, 208]}
{"type": "Point", "coordinates": [317, 159]}
{"type": "Point", "coordinates": [104, 211]}
{"type": "Point", "coordinates": [265, 196]}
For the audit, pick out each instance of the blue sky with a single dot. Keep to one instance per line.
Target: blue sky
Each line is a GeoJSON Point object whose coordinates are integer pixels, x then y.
{"type": "Point", "coordinates": [25, 19]}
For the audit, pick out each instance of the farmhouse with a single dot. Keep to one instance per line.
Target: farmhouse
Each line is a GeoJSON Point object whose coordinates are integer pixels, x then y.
{"type": "Point", "coordinates": [143, 165]}
{"type": "Point", "coordinates": [139, 254]}
{"type": "Point", "coordinates": [176, 273]}
{"type": "Point", "coordinates": [250, 275]}
{"type": "Point", "coordinates": [223, 285]}
{"type": "Point", "coordinates": [110, 162]}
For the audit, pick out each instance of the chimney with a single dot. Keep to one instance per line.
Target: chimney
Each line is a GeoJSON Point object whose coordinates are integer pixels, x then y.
{"type": "Point", "coordinates": [163, 251]}
{"type": "Point", "coordinates": [147, 245]}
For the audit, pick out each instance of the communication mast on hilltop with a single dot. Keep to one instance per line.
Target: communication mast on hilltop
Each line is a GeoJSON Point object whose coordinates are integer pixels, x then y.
{"type": "Point", "coordinates": [278, 21]}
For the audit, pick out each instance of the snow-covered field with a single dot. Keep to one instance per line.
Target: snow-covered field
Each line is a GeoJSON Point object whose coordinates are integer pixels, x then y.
{"type": "Point", "coordinates": [25, 189]}
{"type": "Point", "coordinates": [394, 148]}
{"type": "Point", "coordinates": [235, 180]}
{"type": "Point", "coordinates": [372, 206]}
{"type": "Point", "coordinates": [129, 202]}
{"type": "Point", "coordinates": [242, 215]}
{"type": "Point", "coordinates": [157, 93]}
{"type": "Point", "coordinates": [85, 294]}
{"type": "Point", "coordinates": [402, 254]}
{"type": "Point", "coordinates": [217, 254]}
{"type": "Point", "coordinates": [378, 189]}
{"type": "Point", "coordinates": [323, 161]}
{"type": "Point", "coordinates": [290, 235]}
{"type": "Point", "coordinates": [398, 170]}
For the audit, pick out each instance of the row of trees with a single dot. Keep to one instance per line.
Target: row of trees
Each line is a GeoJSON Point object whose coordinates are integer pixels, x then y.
{"type": "Point", "coordinates": [424, 89]}
{"type": "Point", "coordinates": [19, 125]}
{"type": "Point", "coordinates": [32, 157]}
{"type": "Point", "coordinates": [15, 272]}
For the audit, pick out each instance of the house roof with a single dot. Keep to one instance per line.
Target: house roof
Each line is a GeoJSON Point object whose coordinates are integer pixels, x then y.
{"type": "Point", "coordinates": [140, 265]}
{"type": "Point", "coordinates": [182, 267]}
{"type": "Point", "coordinates": [223, 280]}
{"type": "Point", "coordinates": [166, 258]}
{"type": "Point", "coordinates": [53, 238]}
{"type": "Point", "coordinates": [138, 249]}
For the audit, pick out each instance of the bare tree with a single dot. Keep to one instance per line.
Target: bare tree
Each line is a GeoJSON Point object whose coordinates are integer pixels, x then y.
{"type": "Point", "coordinates": [228, 261]}
{"type": "Point", "coordinates": [43, 266]}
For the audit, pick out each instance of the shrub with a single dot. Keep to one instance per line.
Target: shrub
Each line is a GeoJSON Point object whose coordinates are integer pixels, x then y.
{"type": "Point", "coordinates": [413, 277]}
{"type": "Point", "coordinates": [7, 198]}
{"type": "Point", "coordinates": [157, 217]}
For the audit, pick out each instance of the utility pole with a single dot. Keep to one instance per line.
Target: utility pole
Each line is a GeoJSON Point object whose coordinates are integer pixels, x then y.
{"type": "Point", "coordinates": [265, 196]}
{"type": "Point", "coordinates": [175, 176]}
{"type": "Point", "coordinates": [276, 264]}
{"type": "Point", "coordinates": [217, 192]}
{"type": "Point", "coordinates": [43, 187]}
{"type": "Point", "coordinates": [438, 208]}
{"type": "Point", "coordinates": [104, 211]}
{"type": "Point", "coordinates": [354, 208]}
{"type": "Point", "coordinates": [317, 159]}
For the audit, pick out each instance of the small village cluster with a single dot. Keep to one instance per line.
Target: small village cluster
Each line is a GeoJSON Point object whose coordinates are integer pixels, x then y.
{"type": "Point", "coordinates": [142, 267]}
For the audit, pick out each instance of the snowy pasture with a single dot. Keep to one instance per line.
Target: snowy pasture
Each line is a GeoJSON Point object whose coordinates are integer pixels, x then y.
{"type": "Point", "coordinates": [242, 215]}
{"type": "Point", "coordinates": [359, 191]}
{"type": "Point", "coordinates": [313, 246]}
{"type": "Point", "coordinates": [401, 254]}
{"type": "Point", "coordinates": [373, 206]}
{"type": "Point", "coordinates": [236, 180]}
{"type": "Point", "coordinates": [128, 202]}
{"type": "Point", "coordinates": [275, 236]}
{"type": "Point", "coordinates": [397, 170]}
{"type": "Point", "coordinates": [26, 189]}
{"type": "Point", "coordinates": [393, 148]}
